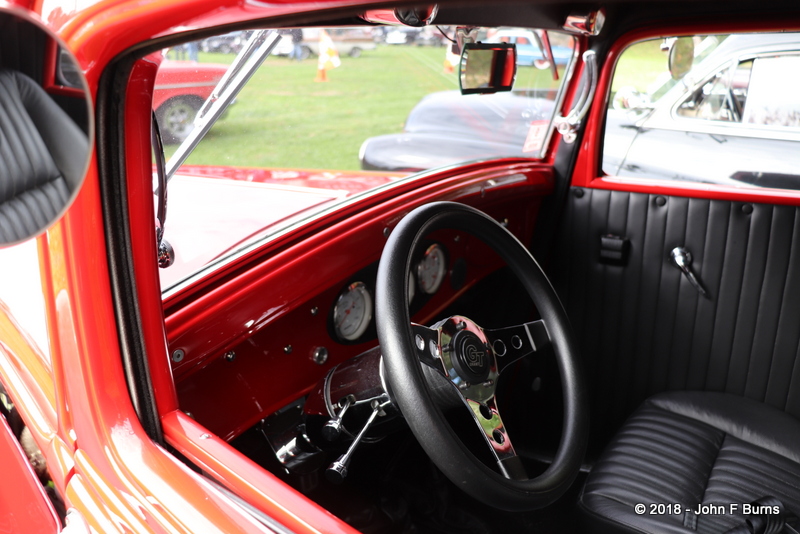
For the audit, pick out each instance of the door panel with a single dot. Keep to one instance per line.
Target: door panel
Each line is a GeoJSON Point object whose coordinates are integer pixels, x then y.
{"type": "Point", "coordinates": [644, 328]}
{"type": "Point", "coordinates": [24, 506]}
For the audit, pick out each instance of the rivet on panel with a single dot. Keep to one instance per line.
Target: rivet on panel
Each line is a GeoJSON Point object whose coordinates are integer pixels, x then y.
{"type": "Point", "coordinates": [177, 355]}
{"type": "Point", "coordinates": [661, 201]}
{"type": "Point", "coordinates": [386, 232]}
{"type": "Point", "coordinates": [320, 355]}
{"type": "Point", "coordinates": [287, 349]}
{"type": "Point", "coordinates": [314, 311]}
{"type": "Point", "coordinates": [229, 356]}
{"type": "Point", "coordinates": [747, 209]}
{"type": "Point", "coordinates": [578, 192]}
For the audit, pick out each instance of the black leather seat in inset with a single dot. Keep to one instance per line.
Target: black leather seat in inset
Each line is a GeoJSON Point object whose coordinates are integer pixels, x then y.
{"type": "Point", "coordinates": [691, 448]}
{"type": "Point", "coordinates": [42, 157]}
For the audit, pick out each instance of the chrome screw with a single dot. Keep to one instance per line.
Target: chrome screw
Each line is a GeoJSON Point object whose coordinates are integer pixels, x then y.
{"type": "Point", "coordinates": [320, 355]}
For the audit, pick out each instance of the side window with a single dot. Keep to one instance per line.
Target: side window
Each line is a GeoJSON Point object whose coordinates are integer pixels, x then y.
{"type": "Point", "coordinates": [721, 109]}
{"type": "Point", "coordinates": [772, 98]}
{"type": "Point", "coordinates": [722, 98]}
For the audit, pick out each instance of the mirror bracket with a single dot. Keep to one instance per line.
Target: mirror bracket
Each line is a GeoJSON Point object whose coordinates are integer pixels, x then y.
{"type": "Point", "coordinates": [568, 126]}
{"type": "Point", "coordinates": [415, 16]}
{"type": "Point", "coordinates": [164, 251]}
{"type": "Point", "coordinates": [586, 24]}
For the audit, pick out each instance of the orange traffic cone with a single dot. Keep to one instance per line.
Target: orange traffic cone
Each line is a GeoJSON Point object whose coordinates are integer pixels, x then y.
{"type": "Point", "coordinates": [322, 75]}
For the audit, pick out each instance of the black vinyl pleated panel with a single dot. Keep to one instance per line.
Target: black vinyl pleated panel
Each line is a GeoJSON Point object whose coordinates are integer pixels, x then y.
{"type": "Point", "coordinates": [643, 328]}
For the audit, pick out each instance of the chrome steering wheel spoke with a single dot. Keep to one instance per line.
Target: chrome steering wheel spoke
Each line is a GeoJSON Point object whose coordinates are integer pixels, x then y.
{"type": "Point", "coordinates": [471, 367]}
{"type": "Point", "coordinates": [494, 432]}
{"type": "Point", "coordinates": [513, 343]}
{"type": "Point", "coordinates": [427, 345]}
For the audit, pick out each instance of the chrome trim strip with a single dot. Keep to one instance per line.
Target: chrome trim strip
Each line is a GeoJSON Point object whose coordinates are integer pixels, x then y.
{"type": "Point", "coordinates": [184, 85]}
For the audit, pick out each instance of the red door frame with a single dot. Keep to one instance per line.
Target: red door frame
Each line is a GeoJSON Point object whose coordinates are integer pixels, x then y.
{"type": "Point", "coordinates": [587, 169]}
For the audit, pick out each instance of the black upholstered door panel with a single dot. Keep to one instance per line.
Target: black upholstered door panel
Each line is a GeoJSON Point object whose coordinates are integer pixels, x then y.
{"type": "Point", "coordinates": [643, 328]}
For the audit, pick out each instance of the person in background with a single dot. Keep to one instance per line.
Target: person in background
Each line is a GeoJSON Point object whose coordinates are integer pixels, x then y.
{"type": "Point", "coordinates": [297, 44]}
{"type": "Point", "coordinates": [193, 48]}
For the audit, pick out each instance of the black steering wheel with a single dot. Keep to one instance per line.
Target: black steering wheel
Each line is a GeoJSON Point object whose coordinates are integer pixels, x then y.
{"type": "Point", "coordinates": [471, 359]}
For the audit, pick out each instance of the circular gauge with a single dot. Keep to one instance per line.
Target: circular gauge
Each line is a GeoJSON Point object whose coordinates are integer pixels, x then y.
{"type": "Point", "coordinates": [412, 286]}
{"type": "Point", "coordinates": [431, 269]}
{"type": "Point", "coordinates": [352, 312]}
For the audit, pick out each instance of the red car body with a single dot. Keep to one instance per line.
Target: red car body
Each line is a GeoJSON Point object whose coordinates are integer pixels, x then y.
{"type": "Point", "coordinates": [187, 80]}
{"type": "Point", "coordinates": [79, 396]}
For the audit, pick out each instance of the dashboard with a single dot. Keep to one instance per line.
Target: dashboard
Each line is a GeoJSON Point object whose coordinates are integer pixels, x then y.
{"type": "Point", "coordinates": [266, 338]}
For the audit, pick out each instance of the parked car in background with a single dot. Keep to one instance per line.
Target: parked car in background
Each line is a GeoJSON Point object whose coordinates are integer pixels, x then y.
{"type": "Point", "coordinates": [716, 104]}
{"type": "Point", "coordinates": [737, 99]}
{"type": "Point", "coordinates": [446, 128]}
{"type": "Point", "coordinates": [529, 47]}
{"type": "Point", "coordinates": [180, 90]}
{"type": "Point", "coordinates": [401, 36]}
{"type": "Point", "coordinates": [348, 42]}
{"type": "Point", "coordinates": [429, 36]}
{"type": "Point", "coordinates": [229, 43]}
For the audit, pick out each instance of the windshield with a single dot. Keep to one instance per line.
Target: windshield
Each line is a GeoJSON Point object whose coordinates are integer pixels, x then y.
{"type": "Point", "coordinates": [332, 113]}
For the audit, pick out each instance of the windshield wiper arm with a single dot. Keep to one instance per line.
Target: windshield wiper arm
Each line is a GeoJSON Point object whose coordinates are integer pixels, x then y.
{"type": "Point", "coordinates": [247, 62]}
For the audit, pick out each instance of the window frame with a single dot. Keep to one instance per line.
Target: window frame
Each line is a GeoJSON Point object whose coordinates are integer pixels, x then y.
{"type": "Point", "coordinates": [588, 172]}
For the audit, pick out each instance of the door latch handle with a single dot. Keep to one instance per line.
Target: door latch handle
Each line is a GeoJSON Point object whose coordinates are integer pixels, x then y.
{"type": "Point", "coordinates": [568, 126]}
{"type": "Point", "coordinates": [682, 259]}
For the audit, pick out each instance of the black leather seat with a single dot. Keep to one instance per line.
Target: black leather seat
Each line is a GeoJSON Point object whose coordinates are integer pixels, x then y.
{"type": "Point", "coordinates": [691, 448]}
{"type": "Point", "coordinates": [42, 157]}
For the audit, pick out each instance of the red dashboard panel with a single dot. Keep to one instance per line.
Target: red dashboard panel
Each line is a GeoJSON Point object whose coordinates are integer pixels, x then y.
{"type": "Point", "coordinates": [250, 348]}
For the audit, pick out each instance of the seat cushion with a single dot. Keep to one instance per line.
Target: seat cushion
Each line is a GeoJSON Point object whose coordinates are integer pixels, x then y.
{"type": "Point", "coordinates": [686, 450]}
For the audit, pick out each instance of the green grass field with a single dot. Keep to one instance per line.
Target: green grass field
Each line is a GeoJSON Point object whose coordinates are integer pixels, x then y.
{"type": "Point", "coordinates": [640, 65]}
{"type": "Point", "coordinates": [283, 118]}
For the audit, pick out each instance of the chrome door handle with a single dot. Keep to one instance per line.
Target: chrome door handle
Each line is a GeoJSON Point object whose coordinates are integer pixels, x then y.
{"type": "Point", "coordinates": [568, 126]}
{"type": "Point", "coordinates": [682, 259]}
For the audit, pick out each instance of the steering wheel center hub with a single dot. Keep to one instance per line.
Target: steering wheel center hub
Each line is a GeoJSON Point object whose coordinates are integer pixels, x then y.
{"type": "Point", "coordinates": [472, 357]}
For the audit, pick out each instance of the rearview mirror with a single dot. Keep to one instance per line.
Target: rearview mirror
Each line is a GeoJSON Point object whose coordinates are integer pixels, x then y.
{"type": "Point", "coordinates": [487, 68]}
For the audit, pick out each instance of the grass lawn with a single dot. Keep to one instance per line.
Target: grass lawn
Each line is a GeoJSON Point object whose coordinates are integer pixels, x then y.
{"type": "Point", "coordinates": [640, 65]}
{"type": "Point", "coordinates": [283, 118]}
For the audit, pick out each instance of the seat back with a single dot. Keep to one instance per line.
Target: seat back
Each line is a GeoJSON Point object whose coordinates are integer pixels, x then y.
{"type": "Point", "coordinates": [42, 157]}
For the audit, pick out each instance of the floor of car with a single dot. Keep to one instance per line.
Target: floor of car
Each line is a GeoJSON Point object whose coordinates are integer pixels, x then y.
{"type": "Point", "coordinates": [392, 487]}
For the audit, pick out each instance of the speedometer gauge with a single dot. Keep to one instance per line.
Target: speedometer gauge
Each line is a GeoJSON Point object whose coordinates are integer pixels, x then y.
{"type": "Point", "coordinates": [431, 269]}
{"type": "Point", "coordinates": [352, 312]}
